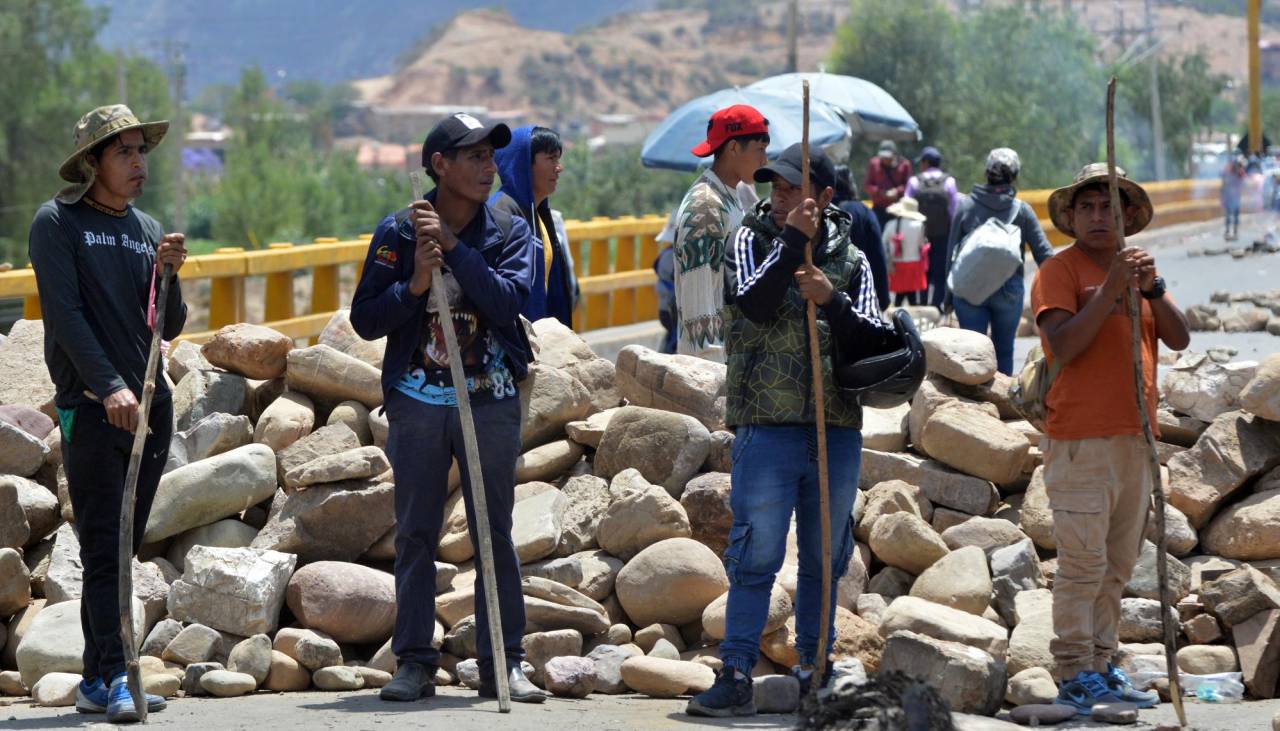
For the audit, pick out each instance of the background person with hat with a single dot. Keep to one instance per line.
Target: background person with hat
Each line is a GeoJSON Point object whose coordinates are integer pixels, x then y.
{"type": "Point", "coordinates": [770, 408]}
{"type": "Point", "coordinates": [937, 198]}
{"type": "Point", "coordinates": [96, 260]}
{"type": "Point", "coordinates": [1096, 463]}
{"type": "Point", "coordinates": [488, 262]}
{"type": "Point", "coordinates": [1002, 311]}
{"type": "Point", "coordinates": [907, 251]}
{"type": "Point", "coordinates": [708, 216]}
{"type": "Point", "coordinates": [886, 180]}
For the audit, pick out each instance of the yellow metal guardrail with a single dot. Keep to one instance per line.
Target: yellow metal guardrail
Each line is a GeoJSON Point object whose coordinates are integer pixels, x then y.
{"type": "Point", "coordinates": [613, 258]}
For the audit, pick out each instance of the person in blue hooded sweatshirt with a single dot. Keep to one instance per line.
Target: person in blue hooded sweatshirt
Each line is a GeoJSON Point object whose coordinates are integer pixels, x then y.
{"type": "Point", "coordinates": [530, 168]}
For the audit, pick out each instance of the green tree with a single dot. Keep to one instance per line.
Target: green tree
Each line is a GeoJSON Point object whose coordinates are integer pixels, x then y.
{"type": "Point", "coordinates": [52, 71]}
{"type": "Point", "coordinates": [612, 182]}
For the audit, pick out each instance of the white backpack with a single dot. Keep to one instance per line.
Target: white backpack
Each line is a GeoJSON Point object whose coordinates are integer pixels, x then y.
{"type": "Point", "coordinates": [988, 256]}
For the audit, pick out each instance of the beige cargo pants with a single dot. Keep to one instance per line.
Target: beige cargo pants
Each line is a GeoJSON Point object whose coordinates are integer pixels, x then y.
{"type": "Point", "coordinates": [1099, 490]}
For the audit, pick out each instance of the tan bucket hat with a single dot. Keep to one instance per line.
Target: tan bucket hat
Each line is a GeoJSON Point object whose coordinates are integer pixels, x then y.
{"type": "Point", "coordinates": [93, 128]}
{"type": "Point", "coordinates": [1096, 172]}
{"type": "Point", "coordinates": [907, 208]}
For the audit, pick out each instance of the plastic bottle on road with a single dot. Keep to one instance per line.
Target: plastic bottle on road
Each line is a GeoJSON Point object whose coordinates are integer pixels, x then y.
{"type": "Point", "coordinates": [1220, 690]}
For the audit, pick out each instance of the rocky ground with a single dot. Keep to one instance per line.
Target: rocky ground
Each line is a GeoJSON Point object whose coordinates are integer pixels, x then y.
{"type": "Point", "coordinates": [267, 557]}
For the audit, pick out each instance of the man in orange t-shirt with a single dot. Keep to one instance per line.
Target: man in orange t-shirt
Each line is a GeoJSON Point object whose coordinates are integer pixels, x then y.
{"type": "Point", "coordinates": [1096, 467]}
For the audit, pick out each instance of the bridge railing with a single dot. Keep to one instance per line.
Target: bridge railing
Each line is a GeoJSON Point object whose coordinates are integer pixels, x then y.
{"type": "Point", "coordinates": [613, 259]}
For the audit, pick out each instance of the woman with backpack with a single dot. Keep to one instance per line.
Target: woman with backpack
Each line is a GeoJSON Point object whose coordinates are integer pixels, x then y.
{"type": "Point", "coordinates": [907, 250]}
{"type": "Point", "coordinates": [985, 283]}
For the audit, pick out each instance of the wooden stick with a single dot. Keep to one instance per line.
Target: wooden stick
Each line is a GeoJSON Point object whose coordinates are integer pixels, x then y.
{"type": "Point", "coordinates": [820, 417]}
{"type": "Point", "coordinates": [476, 483]}
{"type": "Point", "coordinates": [1139, 388]}
{"type": "Point", "coordinates": [128, 503]}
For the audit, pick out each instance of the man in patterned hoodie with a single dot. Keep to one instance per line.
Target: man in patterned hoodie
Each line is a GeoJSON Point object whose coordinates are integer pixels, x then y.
{"type": "Point", "coordinates": [706, 221]}
{"type": "Point", "coordinates": [770, 407]}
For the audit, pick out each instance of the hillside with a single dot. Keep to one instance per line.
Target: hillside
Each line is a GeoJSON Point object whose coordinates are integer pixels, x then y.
{"type": "Point", "coordinates": [636, 64]}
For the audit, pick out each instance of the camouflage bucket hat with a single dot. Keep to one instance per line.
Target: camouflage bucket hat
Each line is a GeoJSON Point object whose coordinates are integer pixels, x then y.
{"type": "Point", "coordinates": [1096, 172]}
{"type": "Point", "coordinates": [93, 128]}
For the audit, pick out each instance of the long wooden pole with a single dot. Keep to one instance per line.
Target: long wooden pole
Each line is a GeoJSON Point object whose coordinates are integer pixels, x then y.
{"type": "Point", "coordinates": [128, 503]}
{"type": "Point", "coordinates": [476, 484]}
{"type": "Point", "coordinates": [820, 418]}
{"type": "Point", "coordinates": [1139, 389]}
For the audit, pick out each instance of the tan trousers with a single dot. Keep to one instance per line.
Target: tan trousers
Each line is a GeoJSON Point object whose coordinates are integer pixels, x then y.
{"type": "Point", "coordinates": [1099, 490]}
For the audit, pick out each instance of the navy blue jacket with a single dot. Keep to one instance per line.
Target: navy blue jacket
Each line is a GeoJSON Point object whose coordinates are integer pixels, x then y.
{"type": "Point", "coordinates": [865, 233]}
{"type": "Point", "coordinates": [515, 167]}
{"type": "Point", "coordinates": [494, 270]}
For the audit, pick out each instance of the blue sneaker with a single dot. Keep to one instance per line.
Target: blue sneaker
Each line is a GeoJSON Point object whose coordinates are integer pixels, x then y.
{"type": "Point", "coordinates": [1084, 691]}
{"type": "Point", "coordinates": [91, 697]}
{"type": "Point", "coordinates": [120, 707]}
{"type": "Point", "coordinates": [1122, 688]}
{"type": "Point", "coordinates": [730, 696]}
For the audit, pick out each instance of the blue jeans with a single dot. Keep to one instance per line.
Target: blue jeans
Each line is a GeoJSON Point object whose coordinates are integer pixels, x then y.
{"type": "Point", "coordinates": [775, 471]}
{"type": "Point", "coordinates": [1002, 312]}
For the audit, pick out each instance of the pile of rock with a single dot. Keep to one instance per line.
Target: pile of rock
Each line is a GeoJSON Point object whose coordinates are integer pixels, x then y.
{"type": "Point", "coordinates": [1242, 312]}
{"type": "Point", "coordinates": [268, 552]}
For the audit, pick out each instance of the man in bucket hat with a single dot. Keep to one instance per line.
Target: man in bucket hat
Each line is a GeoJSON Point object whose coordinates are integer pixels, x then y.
{"type": "Point", "coordinates": [1095, 469]}
{"type": "Point", "coordinates": [96, 260]}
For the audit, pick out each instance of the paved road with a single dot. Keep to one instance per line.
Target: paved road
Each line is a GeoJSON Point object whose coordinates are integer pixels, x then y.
{"type": "Point", "coordinates": [459, 710]}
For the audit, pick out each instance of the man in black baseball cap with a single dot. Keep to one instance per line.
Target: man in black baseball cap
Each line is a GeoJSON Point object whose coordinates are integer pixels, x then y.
{"type": "Point", "coordinates": [487, 261]}
{"type": "Point", "coordinates": [769, 406]}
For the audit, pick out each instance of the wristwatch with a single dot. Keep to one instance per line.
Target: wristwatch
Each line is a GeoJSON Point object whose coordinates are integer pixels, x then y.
{"type": "Point", "coordinates": [1156, 291]}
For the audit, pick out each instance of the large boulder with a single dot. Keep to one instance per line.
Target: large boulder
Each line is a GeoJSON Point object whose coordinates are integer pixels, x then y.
{"type": "Point", "coordinates": [942, 485]}
{"type": "Point", "coordinates": [1248, 530]}
{"type": "Point", "coordinates": [333, 522]}
{"type": "Point", "coordinates": [26, 381]}
{"type": "Point", "coordinates": [1014, 569]}
{"type": "Point", "coordinates": [959, 355]}
{"type": "Point", "coordinates": [550, 399]}
{"type": "Point", "coordinates": [252, 351]}
{"type": "Point", "coordinates": [562, 348]}
{"type": "Point", "coordinates": [885, 430]}
{"type": "Point", "coordinates": [227, 533]}
{"type": "Point", "coordinates": [355, 416]}
{"type": "Point", "coordinates": [540, 647]}
{"type": "Point", "coordinates": [905, 541]}
{"type": "Point", "coordinates": [891, 496]}
{"type": "Point", "coordinates": [236, 590]}
{"type": "Point", "coordinates": [64, 576]}
{"type": "Point", "coordinates": [331, 376]}
{"type": "Point", "coordinates": [212, 489]}
{"type": "Point", "coordinates": [327, 440]}
{"type": "Point", "coordinates": [1236, 448]}
{"type": "Point", "coordinates": [287, 419]}
{"type": "Point", "coordinates": [202, 392]}
{"type": "Point", "coordinates": [671, 581]}
{"type": "Point", "coordinates": [959, 580]}
{"type": "Point", "coordinates": [680, 383]}
{"type": "Point", "coordinates": [353, 464]}
{"type": "Point", "coordinates": [969, 679]}
{"type": "Point", "coordinates": [347, 601]}
{"type": "Point", "coordinates": [1239, 594]}
{"type": "Point", "coordinates": [39, 506]}
{"type": "Point", "coordinates": [15, 531]}
{"type": "Point", "coordinates": [1035, 517]}
{"type": "Point", "coordinates": [639, 517]}
{"type": "Point", "coordinates": [1261, 395]}
{"type": "Point", "coordinates": [1144, 582]}
{"type": "Point", "coordinates": [547, 461]}
{"type": "Point", "coordinates": [1201, 387]}
{"type": "Point", "coordinates": [586, 500]}
{"type": "Point", "coordinates": [32, 421]}
{"type": "Point", "coordinates": [780, 607]}
{"type": "Point", "coordinates": [20, 452]}
{"type": "Point", "coordinates": [660, 678]}
{"type": "Point", "coordinates": [54, 641]}
{"type": "Point", "coordinates": [944, 623]}
{"type": "Point", "coordinates": [15, 583]}
{"type": "Point", "coordinates": [212, 435]}
{"type": "Point", "coordinates": [666, 447]}
{"type": "Point", "coordinates": [1032, 632]}
{"type": "Point", "coordinates": [975, 443]}
{"type": "Point", "coordinates": [706, 501]}
{"type": "Point", "coordinates": [536, 525]}
{"type": "Point", "coordinates": [1179, 534]}
{"type": "Point", "coordinates": [341, 336]}
{"type": "Point", "coordinates": [985, 533]}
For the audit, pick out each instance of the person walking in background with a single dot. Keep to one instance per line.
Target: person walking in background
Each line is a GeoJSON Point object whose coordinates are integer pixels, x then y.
{"type": "Point", "coordinates": [1002, 311]}
{"type": "Point", "coordinates": [937, 197]}
{"type": "Point", "coordinates": [864, 231]}
{"type": "Point", "coordinates": [1232, 192]}
{"type": "Point", "coordinates": [907, 251]}
{"type": "Point", "coordinates": [886, 180]}
{"type": "Point", "coordinates": [710, 213]}
{"type": "Point", "coordinates": [664, 267]}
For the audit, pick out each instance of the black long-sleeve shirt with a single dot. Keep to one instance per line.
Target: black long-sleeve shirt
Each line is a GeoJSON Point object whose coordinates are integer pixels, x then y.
{"type": "Point", "coordinates": [93, 271]}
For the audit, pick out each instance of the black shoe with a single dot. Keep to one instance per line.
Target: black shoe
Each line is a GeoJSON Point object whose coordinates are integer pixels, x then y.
{"type": "Point", "coordinates": [730, 696]}
{"type": "Point", "coordinates": [412, 681]}
{"type": "Point", "coordinates": [521, 688]}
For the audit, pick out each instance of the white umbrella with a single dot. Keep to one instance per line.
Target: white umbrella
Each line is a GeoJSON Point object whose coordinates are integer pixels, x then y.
{"type": "Point", "coordinates": [869, 110]}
